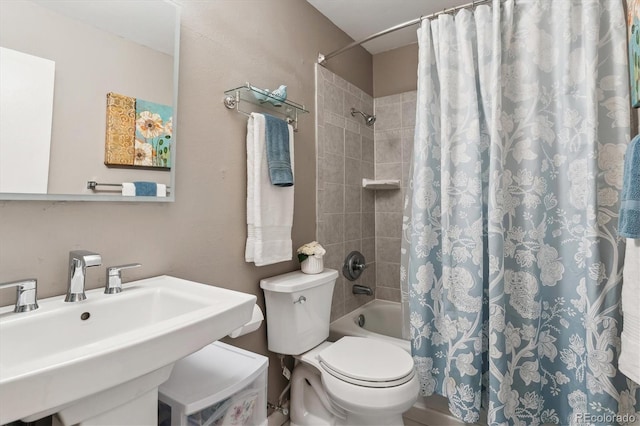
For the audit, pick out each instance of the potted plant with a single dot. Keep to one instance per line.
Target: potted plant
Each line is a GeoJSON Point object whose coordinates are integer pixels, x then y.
{"type": "Point", "coordinates": [310, 256]}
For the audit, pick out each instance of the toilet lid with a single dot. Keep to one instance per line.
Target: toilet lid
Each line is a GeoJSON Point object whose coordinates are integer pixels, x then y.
{"type": "Point", "coordinates": [367, 362]}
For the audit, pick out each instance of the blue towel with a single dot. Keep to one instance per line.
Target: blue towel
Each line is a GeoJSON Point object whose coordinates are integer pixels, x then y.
{"type": "Point", "coordinates": [149, 189]}
{"type": "Point", "coordinates": [278, 156]}
{"type": "Point", "coordinates": [629, 220]}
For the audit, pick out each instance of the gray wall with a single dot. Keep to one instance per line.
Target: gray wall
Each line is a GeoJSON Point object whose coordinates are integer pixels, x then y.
{"type": "Point", "coordinates": [395, 71]}
{"type": "Point", "coordinates": [201, 236]}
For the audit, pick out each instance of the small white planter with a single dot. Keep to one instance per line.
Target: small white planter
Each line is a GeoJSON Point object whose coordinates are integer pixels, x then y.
{"type": "Point", "coordinates": [312, 265]}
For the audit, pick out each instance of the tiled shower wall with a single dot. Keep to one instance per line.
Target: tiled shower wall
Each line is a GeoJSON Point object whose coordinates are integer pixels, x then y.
{"type": "Point", "coordinates": [345, 211]}
{"type": "Point", "coordinates": [393, 137]}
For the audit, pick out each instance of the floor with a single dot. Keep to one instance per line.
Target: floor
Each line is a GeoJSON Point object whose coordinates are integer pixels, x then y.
{"type": "Point", "coordinates": [276, 419]}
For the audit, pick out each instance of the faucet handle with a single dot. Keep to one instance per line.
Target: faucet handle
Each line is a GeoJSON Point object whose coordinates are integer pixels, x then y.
{"type": "Point", "coordinates": [354, 265]}
{"type": "Point", "coordinates": [114, 277]}
{"type": "Point", "coordinates": [26, 294]}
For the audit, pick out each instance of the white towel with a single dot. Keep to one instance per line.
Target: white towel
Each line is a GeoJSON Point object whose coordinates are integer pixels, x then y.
{"type": "Point", "coordinates": [128, 189]}
{"type": "Point", "coordinates": [629, 361]}
{"type": "Point", "coordinates": [161, 190]}
{"type": "Point", "coordinates": [269, 207]}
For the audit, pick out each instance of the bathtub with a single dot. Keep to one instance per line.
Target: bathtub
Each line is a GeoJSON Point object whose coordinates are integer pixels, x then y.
{"type": "Point", "coordinates": [383, 320]}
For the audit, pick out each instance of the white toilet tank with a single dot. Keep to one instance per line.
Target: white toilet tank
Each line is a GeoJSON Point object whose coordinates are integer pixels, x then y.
{"type": "Point", "coordinates": [298, 310]}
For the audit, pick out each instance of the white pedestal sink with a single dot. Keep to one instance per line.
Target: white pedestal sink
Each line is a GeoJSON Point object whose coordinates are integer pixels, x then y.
{"type": "Point", "coordinates": [100, 361]}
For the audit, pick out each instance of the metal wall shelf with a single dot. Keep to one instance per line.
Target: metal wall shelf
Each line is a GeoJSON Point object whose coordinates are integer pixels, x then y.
{"type": "Point", "coordinates": [253, 95]}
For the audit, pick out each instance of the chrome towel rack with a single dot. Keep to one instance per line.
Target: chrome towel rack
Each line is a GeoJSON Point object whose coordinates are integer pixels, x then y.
{"type": "Point", "coordinates": [92, 184]}
{"type": "Point", "coordinates": [251, 94]}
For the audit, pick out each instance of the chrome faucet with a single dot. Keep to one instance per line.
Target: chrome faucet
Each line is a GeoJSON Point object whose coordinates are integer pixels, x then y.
{"type": "Point", "coordinates": [79, 261]}
{"type": "Point", "coordinates": [114, 278]}
{"type": "Point", "coordinates": [26, 294]}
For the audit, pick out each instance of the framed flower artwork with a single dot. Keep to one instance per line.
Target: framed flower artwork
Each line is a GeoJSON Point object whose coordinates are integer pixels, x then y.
{"type": "Point", "coordinates": [139, 133]}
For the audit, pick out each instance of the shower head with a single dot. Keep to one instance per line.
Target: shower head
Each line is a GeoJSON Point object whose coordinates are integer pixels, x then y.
{"type": "Point", "coordinates": [368, 119]}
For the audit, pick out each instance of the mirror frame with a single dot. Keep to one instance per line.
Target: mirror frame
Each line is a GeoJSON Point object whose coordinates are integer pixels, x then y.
{"type": "Point", "coordinates": [9, 196]}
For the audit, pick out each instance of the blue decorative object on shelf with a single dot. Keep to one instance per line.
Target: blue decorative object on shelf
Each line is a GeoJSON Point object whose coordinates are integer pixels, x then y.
{"type": "Point", "coordinates": [280, 94]}
{"type": "Point", "coordinates": [260, 94]}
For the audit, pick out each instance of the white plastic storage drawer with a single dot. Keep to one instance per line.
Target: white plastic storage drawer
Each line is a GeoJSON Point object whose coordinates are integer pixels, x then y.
{"type": "Point", "coordinates": [218, 385]}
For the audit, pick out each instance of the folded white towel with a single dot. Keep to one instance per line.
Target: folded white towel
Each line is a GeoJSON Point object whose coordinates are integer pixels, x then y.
{"type": "Point", "coordinates": [161, 190]}
{"type": "Point", "coordinates": [269, 207]}
{"type": "Point", "coordinates": [629, 361]}
{"type": "Point", "coordinates": [128, 189]}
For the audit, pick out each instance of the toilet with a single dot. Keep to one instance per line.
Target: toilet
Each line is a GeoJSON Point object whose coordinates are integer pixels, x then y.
{"type": "Point", "coordinates": [354, 381]}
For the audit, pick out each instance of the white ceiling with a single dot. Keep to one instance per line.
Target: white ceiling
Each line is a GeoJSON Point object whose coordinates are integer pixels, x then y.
{"type": "Point", "coordinates": [362, 18]}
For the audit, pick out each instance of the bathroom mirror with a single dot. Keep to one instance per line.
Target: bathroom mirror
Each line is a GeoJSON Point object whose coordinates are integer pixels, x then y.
{"type": "Point", "coordinates": [65, 57]}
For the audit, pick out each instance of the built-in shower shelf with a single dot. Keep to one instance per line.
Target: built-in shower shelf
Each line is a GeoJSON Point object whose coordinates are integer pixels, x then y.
{"type": "Point", "coordinates": [378, 184]}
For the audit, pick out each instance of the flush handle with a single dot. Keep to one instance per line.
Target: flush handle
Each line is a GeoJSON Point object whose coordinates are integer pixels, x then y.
{"type": "Point", "coordinates": [301, 300]}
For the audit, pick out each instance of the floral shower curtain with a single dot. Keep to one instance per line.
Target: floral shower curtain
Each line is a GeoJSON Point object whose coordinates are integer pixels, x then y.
{"type": "Point", "coordinates": [511, 270]}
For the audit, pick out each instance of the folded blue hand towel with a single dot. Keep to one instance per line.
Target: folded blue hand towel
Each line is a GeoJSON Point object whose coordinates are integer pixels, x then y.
{"type": "Point", "coordinates": [278, 156]}
{"type": "Point", "coordinates": [149, 189]}
{"type": "Point", "coordinates": [629, 220]}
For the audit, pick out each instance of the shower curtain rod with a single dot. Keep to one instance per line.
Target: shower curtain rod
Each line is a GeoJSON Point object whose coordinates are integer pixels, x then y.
{"type": "Point", "coordinates": [322, 59]}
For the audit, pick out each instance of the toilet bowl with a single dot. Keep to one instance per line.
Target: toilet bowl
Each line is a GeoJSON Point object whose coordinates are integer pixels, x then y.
{"type": "Point", "coordinates": [354, 381]}
{"type": "Point", "coordinates": [367, 382]}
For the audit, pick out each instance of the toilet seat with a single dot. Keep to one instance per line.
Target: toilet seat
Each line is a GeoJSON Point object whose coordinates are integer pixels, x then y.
{"type": "Point", "coordinates": [367, 362]}
{"type": "Point", "coordinates": [365, 383]}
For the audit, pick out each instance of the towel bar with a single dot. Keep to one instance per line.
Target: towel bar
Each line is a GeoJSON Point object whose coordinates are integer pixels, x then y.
{"type": "Point", "coordinates": [92, 184]}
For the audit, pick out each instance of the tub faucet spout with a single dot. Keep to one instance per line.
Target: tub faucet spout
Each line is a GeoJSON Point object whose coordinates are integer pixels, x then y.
{"type": "Point", "coordinates": [362, 289]}
{"type": "Point", "coordinates": [79, 261]}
